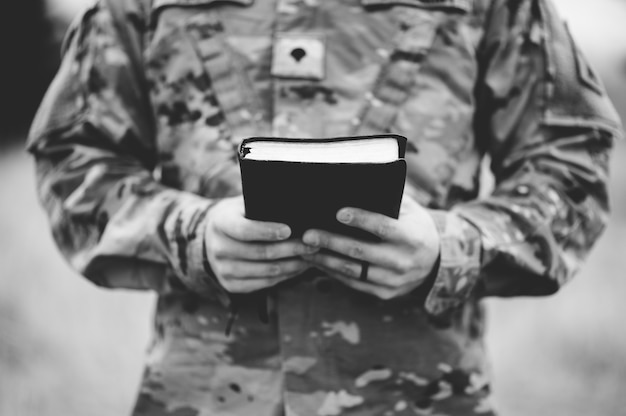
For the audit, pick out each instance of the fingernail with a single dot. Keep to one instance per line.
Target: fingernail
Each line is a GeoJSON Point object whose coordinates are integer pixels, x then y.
{"type": "Point", "coordinates": [344, 216]}
{"type": "Point", "coordinates": [311, 240]}
{"type": "Point", "coordinates": [283, 232]}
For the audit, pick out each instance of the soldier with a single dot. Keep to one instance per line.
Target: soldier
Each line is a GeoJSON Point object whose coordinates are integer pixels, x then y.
{"type": "Point", "coordinates": [135, 144]}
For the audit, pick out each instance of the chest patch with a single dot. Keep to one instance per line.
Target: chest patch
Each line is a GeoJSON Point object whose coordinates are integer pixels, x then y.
{"type": "Point", "coordinates": [299, 55]}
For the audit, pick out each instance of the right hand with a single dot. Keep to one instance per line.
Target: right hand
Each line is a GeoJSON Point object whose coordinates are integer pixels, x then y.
{"type": "Point", "coordinates": [248, 255]}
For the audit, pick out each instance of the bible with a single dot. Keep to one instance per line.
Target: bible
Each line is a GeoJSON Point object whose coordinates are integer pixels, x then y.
{"type": "Point", "coordinates": [304, 182]}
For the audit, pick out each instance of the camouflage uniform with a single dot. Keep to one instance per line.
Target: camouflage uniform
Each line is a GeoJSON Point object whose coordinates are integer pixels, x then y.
{"type": "Point", "coordinates": [136, 140]}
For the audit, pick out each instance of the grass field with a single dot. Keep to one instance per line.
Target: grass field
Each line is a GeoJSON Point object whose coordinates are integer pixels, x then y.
{"type": "Point", "coordinates": [70, 349]}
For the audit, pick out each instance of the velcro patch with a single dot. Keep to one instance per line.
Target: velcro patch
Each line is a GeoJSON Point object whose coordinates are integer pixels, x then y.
{"type": "Point", "coordinates": [299, 55]}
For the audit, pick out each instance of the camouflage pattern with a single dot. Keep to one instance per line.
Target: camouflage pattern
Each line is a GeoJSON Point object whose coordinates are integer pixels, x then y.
{"type": "Point", "coordinates": [136, 140]}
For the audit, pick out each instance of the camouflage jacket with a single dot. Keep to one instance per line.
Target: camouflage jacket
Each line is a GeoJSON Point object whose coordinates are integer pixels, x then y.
{"type": "Point", "coordinates": [137, 136]}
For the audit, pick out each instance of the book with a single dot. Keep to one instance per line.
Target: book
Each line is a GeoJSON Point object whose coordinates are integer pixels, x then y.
{"type": "Point", "coordinates": [304, 182]}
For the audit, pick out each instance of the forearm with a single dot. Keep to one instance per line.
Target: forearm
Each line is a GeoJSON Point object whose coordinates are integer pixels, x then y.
{"type": "Point", "coordinates": [540, 223]}
{"type": "Point", "coordinates": [120, 228]}
{"type": "Point", "coordinates": [548, 126]}
{"type": "Point", "coordinates": [533, 233]}
{"type": "Point", "coordinates": [93, 139]}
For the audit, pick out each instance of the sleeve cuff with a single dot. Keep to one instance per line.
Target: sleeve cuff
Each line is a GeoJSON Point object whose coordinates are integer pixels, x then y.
{"type": "Point", "coordinates": [459, 266]}
{"type": "Point", "coordinates": [190, 249]}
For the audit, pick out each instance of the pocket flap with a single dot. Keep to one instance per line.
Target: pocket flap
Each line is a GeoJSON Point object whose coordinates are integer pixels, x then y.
{"type": "Point", "coordinates": [455, 5]}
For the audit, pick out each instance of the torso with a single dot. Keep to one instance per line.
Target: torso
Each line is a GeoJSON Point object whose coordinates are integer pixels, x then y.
{"type": "Point", "coordinates": [224, 70]}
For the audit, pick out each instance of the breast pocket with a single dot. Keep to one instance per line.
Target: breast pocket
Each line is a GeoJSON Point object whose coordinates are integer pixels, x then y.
{"type": "Point", "coordinates": [200, 91]}
{"type": "Point", "coordinates": [416, 25]}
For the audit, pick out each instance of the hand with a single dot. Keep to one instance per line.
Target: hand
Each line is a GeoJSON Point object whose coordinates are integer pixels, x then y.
{"type": "Point", "coordinates": [248, 255]}
{"type": "Point", "coordinates": [397, 265]}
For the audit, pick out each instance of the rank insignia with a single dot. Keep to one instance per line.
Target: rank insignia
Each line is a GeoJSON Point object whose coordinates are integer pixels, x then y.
{"type": "Point", "coordinates": [299, 55]}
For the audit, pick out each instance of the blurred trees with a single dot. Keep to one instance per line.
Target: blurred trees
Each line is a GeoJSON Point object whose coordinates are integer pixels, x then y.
{"type": "Point", "coordinates": [29, 57]}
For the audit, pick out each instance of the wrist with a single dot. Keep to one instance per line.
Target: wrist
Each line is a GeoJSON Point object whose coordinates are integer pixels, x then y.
{"type": "Point", "coordinates": [458, 267]}
{"type": "Point", "coordinates": [195, 271]}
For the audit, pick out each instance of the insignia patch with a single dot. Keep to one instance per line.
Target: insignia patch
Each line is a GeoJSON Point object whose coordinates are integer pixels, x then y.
{"type": "Point", "coordinates": [299, 55]}
{"type": "Point", "coordinates": [586, 73]}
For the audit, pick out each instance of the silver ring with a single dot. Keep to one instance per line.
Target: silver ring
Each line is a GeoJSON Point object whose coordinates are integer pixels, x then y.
{"type": "Point", "coordinates": [364, 269]}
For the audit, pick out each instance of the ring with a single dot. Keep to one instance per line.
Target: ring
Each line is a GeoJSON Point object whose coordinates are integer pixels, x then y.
{"type": "Point", "coordinates": [364, 269]}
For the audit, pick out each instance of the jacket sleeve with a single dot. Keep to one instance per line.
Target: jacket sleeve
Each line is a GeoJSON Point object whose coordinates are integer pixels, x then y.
{"type": "Point", "coordinates": [545, 120]}
{"type": "Point", "coordinates": [93, 142]}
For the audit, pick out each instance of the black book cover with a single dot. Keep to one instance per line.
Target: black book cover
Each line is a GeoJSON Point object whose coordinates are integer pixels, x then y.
{"type": "Point", "coordinates": [306, 195]}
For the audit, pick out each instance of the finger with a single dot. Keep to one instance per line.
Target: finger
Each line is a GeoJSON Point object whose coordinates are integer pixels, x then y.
{"type": "Point", "coordinates": [378, 291]}
{"type": "Point", "coordinates": [366, 287]}
{"type": "Point", "coordinates": [376, 276]}
{"type": "Point", "coordinates": [246, 277]}
{"type": "Point", "coordinates": [247, 270]}
{"type": "Point", "coordinates": [374, 253]}
{"type": "Point", "coordinates": [380, 225]}
{"type": "Point", "coordinates": [351, 270]}
{"type": "Point", "coordinates": [253, 285]}
{"type": "Point", "coordinates": [229, 248]}
{"type": "Point", "coordinates": [238, 227]}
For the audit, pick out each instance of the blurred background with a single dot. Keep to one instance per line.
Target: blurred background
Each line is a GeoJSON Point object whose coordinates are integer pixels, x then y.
{"type": "Point", "coordinates": [68, 348]}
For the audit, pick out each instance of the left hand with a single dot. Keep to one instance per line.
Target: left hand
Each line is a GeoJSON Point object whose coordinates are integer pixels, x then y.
{"type": "Point", "coordinates": [397, 265]}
